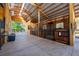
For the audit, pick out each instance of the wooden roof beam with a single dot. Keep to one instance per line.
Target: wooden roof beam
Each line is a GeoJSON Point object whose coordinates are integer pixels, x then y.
{"type": "Point", "coordinates": [59, 12]}
{"type": "Point", "coordinates": [54, 8]}
{"type": "Point", "coordinates": [38, 7]}
{"type": "Point", "coordinates": [48, 6]}
{"type": "Point", "coordinates": [58, 9]}
{"type": "Point", "coordinates": [28, 13]}
{"type": "Point", "coordinates": [53, 19]}
{"type": "Point", "coordinates": [76, 5]}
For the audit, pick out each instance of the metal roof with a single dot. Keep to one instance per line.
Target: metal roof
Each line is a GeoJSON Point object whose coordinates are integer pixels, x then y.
{"type": "Point", "coordinates": [47, 10]}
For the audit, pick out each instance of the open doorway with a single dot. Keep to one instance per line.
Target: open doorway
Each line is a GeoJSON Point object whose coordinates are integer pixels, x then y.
{"type": "Point", "coordinates": [19, 27]}
{"type": "Point", "coordinates": [76, 37]}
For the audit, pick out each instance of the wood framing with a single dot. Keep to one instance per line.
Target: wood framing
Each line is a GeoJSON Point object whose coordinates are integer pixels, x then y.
{"type": "Point", "coordinates": [48, 6]}
{"type": "Point", "coordinates": [59, 9]}
{"type": "Point", "coordinates": [54, 7]}
{"type": "Point", "coordinates": [39, 7]}
{"type": "Point", "coordinates": [60, 12]}
{"type": "Point", "coordinates": [7, 20]}
{"type": "Point", "coordinates": [71, 23]}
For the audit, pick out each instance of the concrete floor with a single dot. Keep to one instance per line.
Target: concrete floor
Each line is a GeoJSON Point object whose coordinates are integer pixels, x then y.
{"type": "Point", "coordinates": [29, 45]}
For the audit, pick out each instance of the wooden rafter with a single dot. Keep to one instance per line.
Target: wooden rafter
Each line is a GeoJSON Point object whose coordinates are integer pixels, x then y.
{"type": "Point", "coordinates": [59, 9]}
{"type": "Point", "coordinates": [76, 13]}
{"type": "Point", "coordinates": [44, 14]}
{"type": "Point", "coordinates": [76, 5]}
{"type": "Point", "coordinates": [39, 4]}
{"type": "Point", "coordinates": [59, 12]}
{"type": "Point", "coordinates": [38, 7]}
{"type": "Point", "coordinates": [60, 16]}
{"type": "Point", "coordinates": [54, 8]}
{"type": "Point", "coordinates": [28, 13]}
{"type": "Point", "coordinates": [53, 19]}
{"type": "Point", "coordinates": [30, 7]}
{"type": "Point", "coordinates": [48, 6]}
{"type": "Point", "coordinates": [33, 11]}
{"type": "Point", "coordinates": [41, 18]}
{"type": "Point", "coordinates": [76, 9]}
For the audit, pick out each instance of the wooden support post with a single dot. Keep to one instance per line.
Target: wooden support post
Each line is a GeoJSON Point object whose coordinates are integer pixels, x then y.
{"type": "Point", "coordinates": [38, 22]}
{"type": "Point", "coordinates": [7, 20]}
{"type": "Point", "coordinates": [71, 23]}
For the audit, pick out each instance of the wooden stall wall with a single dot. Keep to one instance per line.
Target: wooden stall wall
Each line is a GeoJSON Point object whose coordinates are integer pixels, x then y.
{"type": "Point", "coordinates": [49, 31]}
{"type": "Point", "coordinates": [62, 34]}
